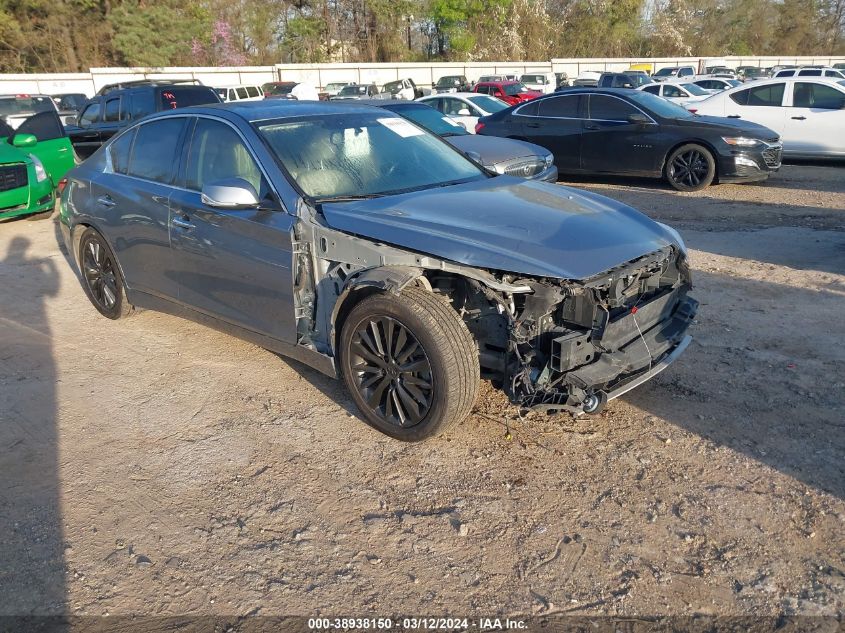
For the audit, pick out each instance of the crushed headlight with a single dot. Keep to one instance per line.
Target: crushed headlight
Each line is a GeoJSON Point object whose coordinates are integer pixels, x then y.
{"type": "Point", "coordinates": [40, 172]}
{"type": "Point", "coordinates": [740, 141]}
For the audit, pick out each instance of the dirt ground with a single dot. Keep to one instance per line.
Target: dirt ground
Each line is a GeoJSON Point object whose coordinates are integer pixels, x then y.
{"type": "Point", "coordinates": [153, 466]}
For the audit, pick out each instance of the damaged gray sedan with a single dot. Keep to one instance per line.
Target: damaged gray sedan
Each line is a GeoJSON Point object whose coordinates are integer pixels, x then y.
{"type": "Point", "coordinates": [360, 244]}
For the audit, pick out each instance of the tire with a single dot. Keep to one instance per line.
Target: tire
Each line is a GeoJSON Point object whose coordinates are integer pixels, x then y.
{"type": "Point", "coordinates": [409, 395]}
{"type": "Point", "coordinates": [101, 277]}
{"type": "Point", "coordinates": [690, 167]}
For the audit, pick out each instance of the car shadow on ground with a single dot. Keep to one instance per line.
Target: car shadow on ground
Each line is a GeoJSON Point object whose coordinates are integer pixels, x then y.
{"type": "Point", "coordinates": [32, 572]}
{"type": "Point", "coordinates": [760, 382]}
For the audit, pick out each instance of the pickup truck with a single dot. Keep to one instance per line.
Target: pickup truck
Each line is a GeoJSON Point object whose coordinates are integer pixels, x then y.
{"type": "Point", "coordinates": [404, 89]}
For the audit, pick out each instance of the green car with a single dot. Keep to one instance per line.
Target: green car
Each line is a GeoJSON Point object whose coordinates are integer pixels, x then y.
{"type": "Point", "coordinates": [33, 159]}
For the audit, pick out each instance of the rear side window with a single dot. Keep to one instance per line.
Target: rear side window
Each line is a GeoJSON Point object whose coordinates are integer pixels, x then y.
{"type": "Point", "coordinates": [218, 153]}
{"type": "Point", "coordinates": [112, 111]}
{"type": "Point", "coordinates": [242, 93]}
{"type": "Point", "coordinates": [560, 107]}
{"type": "Point", "coordinates": [143, 103]}
{"type": "Point", "coordinates": [771, 96]}
{"type": "Point", "coordinates": [118, 153]}
{"type": "Point", "coordinates": [813, 72]}
{"type": "Point", "coordinates": [606, 108]}
{"type": "Point", "coordinates": [154, 151]}
{"type": "Point", "coordinates": [809, 95]}
{"type": "Point", "coordinates": [531, 109]}
{"type": "Point", "coordinates": [252, 91]}
{"type": "Point", "coordinates": [184, 96]}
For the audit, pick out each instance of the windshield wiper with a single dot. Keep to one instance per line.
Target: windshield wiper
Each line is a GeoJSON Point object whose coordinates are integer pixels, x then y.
{"type": "Point", "coordinates": [346, 198]}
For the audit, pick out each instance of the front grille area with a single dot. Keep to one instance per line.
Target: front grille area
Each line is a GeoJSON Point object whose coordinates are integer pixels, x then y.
{"type": "Point", "coordinates": [772, 156]}
{"type": "Point", "coordinates": [525, 169]}
{"type": "Point", "coordinates": [12, 177]}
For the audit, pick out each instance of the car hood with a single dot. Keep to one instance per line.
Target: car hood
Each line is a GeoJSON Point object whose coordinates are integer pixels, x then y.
{"type": "Point", "coordinates": [493, 149]}
{"type": "Point", "coordinates": [11, 154]}
{"type": "Point", "coordinates": [507, 224]}
{"type": "Point", "coordinates": [730, 126]}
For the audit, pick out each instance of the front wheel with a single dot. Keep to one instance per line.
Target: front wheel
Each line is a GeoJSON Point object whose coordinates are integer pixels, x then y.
{"type": "Point", "coordinates": [101, 278]}
{"type": "Point", "coordinates": [410, 363]}
{"type": "Point", "coordinates": [691, 167]}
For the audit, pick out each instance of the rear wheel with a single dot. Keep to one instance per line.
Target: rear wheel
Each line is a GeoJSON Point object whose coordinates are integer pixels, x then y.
{"type": "Point", "coordinates": [101, 278]}
{"type": "Point", "coordinates": [691, 167]}
{"type": "Point", "coordinates": [410, 363]}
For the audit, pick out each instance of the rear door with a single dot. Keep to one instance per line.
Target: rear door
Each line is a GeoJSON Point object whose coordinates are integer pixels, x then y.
{"type": "Point", "coordinates": [85, 136]}
{"type": "Point", "coordinates": [231, 264]}
{"type": "Point", "coordinates": [132, 196]}
{"type": "Point", "coordinates": [555, 123]}
{"type": "Point", "coordinates": [759, 104]}
{"type": "Point", "coordinates": [611, 143]}
{"type": "Point", "coordinates": [114, 117]}
{"type": "Point", "coordinates": [815, 120]}
{"type": "Point", "coordinates": [53, 149]}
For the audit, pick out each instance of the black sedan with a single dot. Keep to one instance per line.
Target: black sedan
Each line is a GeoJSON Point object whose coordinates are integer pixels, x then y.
{"type": "Point", "coordinates": [501, 155]}
{"type": "Point", "coordinates": [634, 133]}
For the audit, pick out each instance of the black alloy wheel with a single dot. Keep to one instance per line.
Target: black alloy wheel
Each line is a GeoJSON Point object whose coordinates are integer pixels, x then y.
{"type": "Point", "coordinates": [392, 371]}
{"type": "Point", "coordinates": [101, 278]}
{"type": "Point", "coordinates": [690, 168]}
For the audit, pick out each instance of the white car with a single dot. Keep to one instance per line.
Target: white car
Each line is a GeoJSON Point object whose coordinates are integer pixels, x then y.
{"type": "Point", "coordinates": [715, 84]}
{"type": "Point", "coordinates": [541, 82]}
{"type": "Point", "coordinates": [810, 72]}
{"type": "Point", "coordinates": [674, 72]}
{"type": "Point", "coordinates": [683, 94]}
{"type": "Point", "coordinates": [807, 112]}
{"type": "Point", "coordinates": [15, 109]}
{"type": "Point", "coordinates": [240, 93]}
{"type": "Point", "coordinates": [465, 107]}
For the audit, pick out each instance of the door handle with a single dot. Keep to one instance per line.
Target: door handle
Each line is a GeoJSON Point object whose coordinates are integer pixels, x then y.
{"type": "Point", "coordinates": [532, 125]}
{"type": "Point", "coordinates": [799, 118]}
{"type": "Point", "coordinates": [734, 116]}
{"type": "Point", "coordinates": [591, 126]}
{"type": "Point", "coordinates": [181, 223]}
{"type": "Point", "coordinates": [106, 201]}
{"type": "Point", "coordinates": [62, 150]}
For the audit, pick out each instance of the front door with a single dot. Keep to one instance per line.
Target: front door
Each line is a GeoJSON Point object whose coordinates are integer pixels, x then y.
{"type": "Point", "coordinates": [231, 264]}
{"type": "Point", "coordinates": [555, 123]}
{"type": "Point", "coordinates": [611, 143]}
{"type": "Point", "coordinates": [815, 122]}
{"type": "Point", "coordinates": [759, 104]}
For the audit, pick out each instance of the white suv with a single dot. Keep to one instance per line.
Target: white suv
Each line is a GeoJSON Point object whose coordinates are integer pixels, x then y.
{"type": "Point", "coordinates": [810, 72]}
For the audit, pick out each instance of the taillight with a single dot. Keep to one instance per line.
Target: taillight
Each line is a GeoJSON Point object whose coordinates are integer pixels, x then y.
{"type": "Point", "coordinates": [61, 186]}
{"type": "Point", "coordinates": [478, 127]}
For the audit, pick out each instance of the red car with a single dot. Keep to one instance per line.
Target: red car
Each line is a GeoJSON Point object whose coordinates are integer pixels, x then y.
{"type": "Point", "coordinates": [511, 92]}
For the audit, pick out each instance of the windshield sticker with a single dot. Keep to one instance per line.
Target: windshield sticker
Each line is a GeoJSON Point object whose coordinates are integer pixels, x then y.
{"type": "Point", "coordinates": [401, 127]}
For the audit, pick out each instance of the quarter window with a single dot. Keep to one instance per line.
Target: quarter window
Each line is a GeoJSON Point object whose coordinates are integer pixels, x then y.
{"type": "Point", "coordinates": [771, 96]}
{"type": "Point", "coordinates": [155, 148]}
{"type": "Point", "coordinates": [606, 108]}
{"type": "Point", "coordinates": [560, 107]}
{"type": "Point", "coordinates": [119, 153]}
{"type": "Point", "coordinates": [218, 153]}
{"type": "Point", "coordinates": [655, 90]}
{"type": "Point", "coordinates": [808, 95]}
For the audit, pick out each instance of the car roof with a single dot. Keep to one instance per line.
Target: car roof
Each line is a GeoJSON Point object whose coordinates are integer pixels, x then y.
{"type": "Point", "coordinates": [464, 95]}
{"type": "Point", "coordinates": [504, 82]}
{"type": "Point", "coordinates": [273, 109]}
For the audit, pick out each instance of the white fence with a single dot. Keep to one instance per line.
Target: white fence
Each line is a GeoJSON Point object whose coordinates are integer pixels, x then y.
{"type": "Point", "coordinates": [424, 74]}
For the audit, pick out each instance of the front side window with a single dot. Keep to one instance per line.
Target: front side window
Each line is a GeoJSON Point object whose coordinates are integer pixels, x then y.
{"type": "Point", "coordinates": [672, 91]}
{"type": "Point", "coordinates": [217, 153]}
{"type": "Point", "coordinates": [363, 154]}
{"type": "Point", "coordinates": [155, 148]}
{"type": "Point", "coordinates": [453, 107]}
{"type": "Point", "coordinates": [142, 104]}
{"type": "Point", "coordinates": [655, 90]}
{"type": "Point", "coordinates": [810, 95]}
{"type": "Point", "coordinates": [606, 108]}
{"type": "Point", "coordinates": [90, 115]}
{"type": "Point", "coordinates": [514, 89]}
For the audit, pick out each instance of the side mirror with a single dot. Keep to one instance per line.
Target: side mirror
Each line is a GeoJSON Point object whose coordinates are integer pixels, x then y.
{"type": "Point", "coordinates": [231, 193]}
{"type": "Point", "coordinates": [464, 112]}
{"type": "Point", "coordinates": [638, 118]}
{"type": "Point", "coordinates": [24, 140]}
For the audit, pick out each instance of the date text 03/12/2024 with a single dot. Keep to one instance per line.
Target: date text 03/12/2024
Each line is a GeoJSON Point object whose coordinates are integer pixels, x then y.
{"type": "Point", "coordinates": [419, 623]}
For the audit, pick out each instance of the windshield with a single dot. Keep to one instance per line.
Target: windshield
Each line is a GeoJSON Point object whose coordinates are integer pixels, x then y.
{"type": "Point", "coordinates": [448, 81]}
{"type": "Point", "coordinates": [533, 79]}
{"type": "Point", "coordinates": [489, 104]}
{"type": "Point", "coordinates": [278, 89]}
{"type": "Point", "coordinates": [665, 72]}
{"type": "Point", "coordinates": [353, 91]}
{"type": "Point", "coordinates": [514, 89]}
{"type": "Point", "coordinates": [335, 85]}
{"type": "Point", "coordinates": [393, 86]}
{"type": "Point", "coordinates": [363, 154]}
{"type": "Point", "coordinates": [432, 120]}
{"type": "Point", "coordinates": [698, 91]}
{"type": "Point", "coordinates": [25, 104]}
{"type": "Point", "coordinates": [660, 106]}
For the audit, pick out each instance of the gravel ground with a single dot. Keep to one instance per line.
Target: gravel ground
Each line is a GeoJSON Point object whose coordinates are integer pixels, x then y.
{"type": "Point", "coordinates": [153, 466]}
